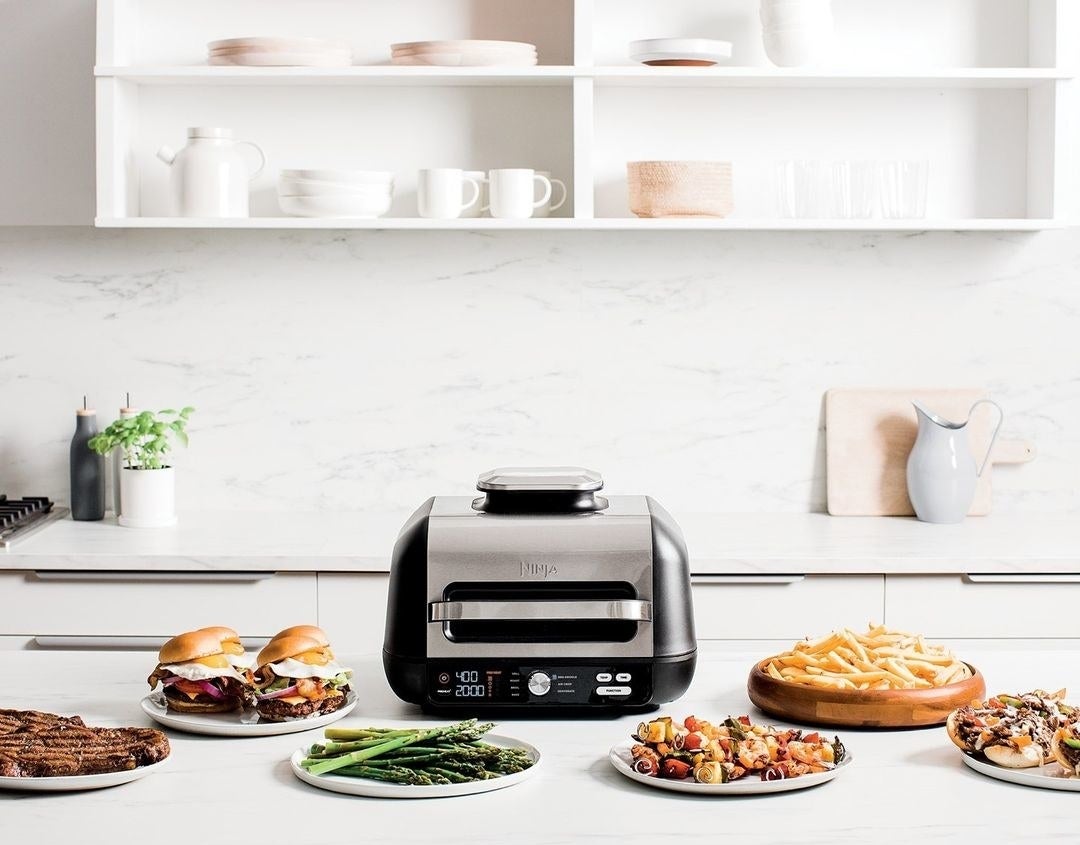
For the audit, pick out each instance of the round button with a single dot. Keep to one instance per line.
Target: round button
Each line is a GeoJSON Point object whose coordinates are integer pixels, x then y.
{"type": "Point", "coordinates": [444, 678]}
{"type": "Point", "coordinates": [539, 683]}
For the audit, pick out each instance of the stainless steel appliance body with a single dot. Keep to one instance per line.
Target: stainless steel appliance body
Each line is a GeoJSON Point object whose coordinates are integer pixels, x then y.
{"type": "Point", "coordinates": [539, 596]}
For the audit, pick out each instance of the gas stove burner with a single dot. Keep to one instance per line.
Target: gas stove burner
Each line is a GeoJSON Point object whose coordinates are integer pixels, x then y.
{"type": "Point", "coordinates": [21, 517]}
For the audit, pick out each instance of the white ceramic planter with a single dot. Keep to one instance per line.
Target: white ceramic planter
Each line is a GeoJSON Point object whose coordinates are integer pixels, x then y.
{"type": "Point", "coordinates": [148, 497]}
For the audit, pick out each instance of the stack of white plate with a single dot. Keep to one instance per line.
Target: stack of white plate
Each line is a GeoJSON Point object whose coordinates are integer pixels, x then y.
{"type": "Point", "coordinates": [280, 52]}
{"type": "Point", "coordinates": [680, 52]}
{"type": "Point", "coordinates": [464, 53]}
{"type": "Point", "coordinates": [796, 32]}
{"type": "Point", "coordinates": [336, 193]}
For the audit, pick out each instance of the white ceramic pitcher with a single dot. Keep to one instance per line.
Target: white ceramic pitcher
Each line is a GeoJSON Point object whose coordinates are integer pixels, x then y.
{"type": "Point", "coordinates": [941, 471]}
{"type": "Point", "coordinates": [210, 175]}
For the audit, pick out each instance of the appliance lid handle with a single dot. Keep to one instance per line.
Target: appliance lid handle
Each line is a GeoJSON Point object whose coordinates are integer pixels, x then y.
{"type": "Point", "coordinates": [632, 610]}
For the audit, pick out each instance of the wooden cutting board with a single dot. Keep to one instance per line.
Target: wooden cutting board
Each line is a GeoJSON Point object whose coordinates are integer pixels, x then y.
{"type": "Point", "coordinates": [869, 434]}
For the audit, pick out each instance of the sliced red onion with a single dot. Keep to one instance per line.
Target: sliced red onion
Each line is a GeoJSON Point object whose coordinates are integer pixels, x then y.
{"type": "Point", "coordinates": [281, 693]}
{"type": "Point", "coordinates": [210, 689]}
{"type": "Point", "coordinates": [172, 679]}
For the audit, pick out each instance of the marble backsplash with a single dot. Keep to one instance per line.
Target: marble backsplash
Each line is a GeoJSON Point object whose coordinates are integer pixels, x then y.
{"type": "Point", "coordinates": [371, 370]}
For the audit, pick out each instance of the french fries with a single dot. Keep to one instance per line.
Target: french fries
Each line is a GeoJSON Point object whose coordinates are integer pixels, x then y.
{"type": "Point", "coordinates": [879, 659]}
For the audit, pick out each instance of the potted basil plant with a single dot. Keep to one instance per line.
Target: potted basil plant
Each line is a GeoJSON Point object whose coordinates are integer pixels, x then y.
{"type": "Point", "coordinates": [147, 480]}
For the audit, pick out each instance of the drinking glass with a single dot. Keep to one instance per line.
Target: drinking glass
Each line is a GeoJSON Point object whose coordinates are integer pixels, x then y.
{"type": "Point", "coordinates": [851, 189]}
{"type": "Point", "coordinates": [903, 187]}
{"type": "Point", "coordinates": [801, 189]}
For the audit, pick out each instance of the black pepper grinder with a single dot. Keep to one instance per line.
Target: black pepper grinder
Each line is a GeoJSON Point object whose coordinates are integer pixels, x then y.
{"type": "Point", "coordinates": [87, 469]}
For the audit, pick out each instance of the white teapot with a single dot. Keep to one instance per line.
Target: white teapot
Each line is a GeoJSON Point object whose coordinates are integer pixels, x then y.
{"type": "Point", "coordinates": [210, 175]}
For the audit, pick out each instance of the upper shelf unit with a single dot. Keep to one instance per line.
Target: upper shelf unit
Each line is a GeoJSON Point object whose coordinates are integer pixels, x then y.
{"type": "Point", "coordinates": [633, 76]}
{"type": "Point", "coordinates": [983, 90]}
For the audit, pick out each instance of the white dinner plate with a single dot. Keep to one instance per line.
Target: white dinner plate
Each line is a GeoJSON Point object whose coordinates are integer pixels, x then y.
{"type": "Point", "coordinates": [376, 789]}
{"type": "Point", "coordinates": [621, 759]}
{"type": "Point", "coordinates": [238, 723]}
{"type": "Point", "coordinates": [1051, 776]}
{"type": "Point", "coordinates": [277, 44]}
{"type": "Point", "coordinates": [75, 783]}
{"type": "Point", "coordinates": [676, 49]}
{"type": "Point", "coordinates": [470, 58]}
{"type": "Point", "coordinates": [280, 60]}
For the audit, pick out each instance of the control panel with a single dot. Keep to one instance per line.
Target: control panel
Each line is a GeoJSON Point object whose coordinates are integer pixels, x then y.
{"type": "Point", "coordinates": [510, 682]}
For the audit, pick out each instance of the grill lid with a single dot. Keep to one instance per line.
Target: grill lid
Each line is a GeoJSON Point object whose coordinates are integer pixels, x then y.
{"type": "Point", "coordinates": [540, 479]}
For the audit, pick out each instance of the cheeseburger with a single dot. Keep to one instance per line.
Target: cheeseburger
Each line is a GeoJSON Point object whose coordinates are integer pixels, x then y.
{"type": "Point", "coordinates": [197, 675]}
{"type": "Point", "coordinates": [297, 677]}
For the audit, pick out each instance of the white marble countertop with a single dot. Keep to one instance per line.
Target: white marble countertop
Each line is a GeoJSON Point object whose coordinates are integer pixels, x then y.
{"type": "Point", "coordinates": [732, 543]}
{"type": "Point", "coordinates": [903, 786]}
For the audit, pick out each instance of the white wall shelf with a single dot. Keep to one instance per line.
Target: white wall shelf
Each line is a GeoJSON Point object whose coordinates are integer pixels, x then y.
{"type": "Point", "coordinates": [365, 75]}
{"type": "Point", "coordinates": [631, 76]}
{"type": "Point", "coordinates": [592, 223]}
{"type": "Point", "coordinates": [757, 77]}
{"type": "Point", "coordinates": [986, 93]}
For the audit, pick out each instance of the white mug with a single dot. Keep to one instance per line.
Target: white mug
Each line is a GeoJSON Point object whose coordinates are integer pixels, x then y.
{"type": "Point", "coordinates": [439, 193]}
{"type": "Point", "coordinates": [512, 190]}
{"type": "Point", "coordinates": [476, 209]}
{"type": "Point", "coordinates": [548, 207]}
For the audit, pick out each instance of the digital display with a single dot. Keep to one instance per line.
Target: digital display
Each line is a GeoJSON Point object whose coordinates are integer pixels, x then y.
{"type": "Point", "coordinates": [468, 685]}
{"type": "Point", "coordinates": [476, 683]}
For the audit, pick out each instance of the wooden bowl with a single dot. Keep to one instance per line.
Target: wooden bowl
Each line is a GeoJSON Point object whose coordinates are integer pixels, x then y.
{"type": "Point", "coordinates": [892, 708]}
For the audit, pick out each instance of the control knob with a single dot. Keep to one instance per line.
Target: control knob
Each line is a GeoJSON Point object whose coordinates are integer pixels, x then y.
{"type": "Point", "coordinates": [539, 683]}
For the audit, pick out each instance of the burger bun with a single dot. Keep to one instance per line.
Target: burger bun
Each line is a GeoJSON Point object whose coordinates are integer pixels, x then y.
{"type": "Point", "coordinates": [190, 646]}
{"type": "Point", "coordinates": [312, 632]}
{"type": "Point", "coordinates": [283, 647]}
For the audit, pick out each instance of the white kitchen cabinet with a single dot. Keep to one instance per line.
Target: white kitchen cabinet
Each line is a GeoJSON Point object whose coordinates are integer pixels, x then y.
{"type": "Point", "coordinates": [352, 610]}
{"type": "Point", "coordinates": [785, 607]}
{"type": "Point", "coordinates": [982, 91]}
{"type": "Point", "coordinates": [104, 607]}
{"type": "Point", "coordinates": [998, 606]}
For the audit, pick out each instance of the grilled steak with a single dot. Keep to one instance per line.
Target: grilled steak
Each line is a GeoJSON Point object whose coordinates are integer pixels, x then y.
{"type": "Point", "coordinates": [14, 721]}
{"type": "Point", "coordinates": [59, 747]}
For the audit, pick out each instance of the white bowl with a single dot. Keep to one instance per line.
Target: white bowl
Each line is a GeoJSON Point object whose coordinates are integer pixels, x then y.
{"type": "Point", "coordinates": [680, 49]}
{"type": "Point", "coordinates": [293, 188]}
{"type": "Point", "coordinates": [340, 177]}
{"type": "Point", "coordinates": [334, 206]}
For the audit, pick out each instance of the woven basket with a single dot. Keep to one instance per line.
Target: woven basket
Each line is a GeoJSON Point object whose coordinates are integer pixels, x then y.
{"type": "Point", "coordinates": [680, 188]}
